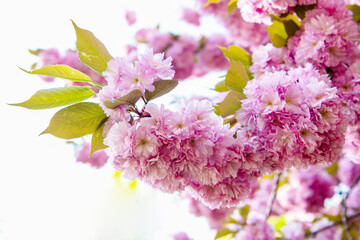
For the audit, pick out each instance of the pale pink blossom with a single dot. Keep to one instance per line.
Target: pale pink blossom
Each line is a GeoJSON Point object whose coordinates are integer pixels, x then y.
{"type": "Point", "coordinates": [96, 160]}
{"type": "Point", "coordinates": [130, 17]}
{"type": "Point", "coordinates": [191, 16]}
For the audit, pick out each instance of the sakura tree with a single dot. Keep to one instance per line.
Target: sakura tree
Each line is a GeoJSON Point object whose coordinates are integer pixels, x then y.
{"type": "Point", "coordinates": [262, 159]}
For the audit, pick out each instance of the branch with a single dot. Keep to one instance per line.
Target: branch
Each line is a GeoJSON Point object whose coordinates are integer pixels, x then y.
{"type": "Point", "coordinates": [356, 180]}
{"type": "Point", "coordinates": [344, 218]}
{"type": "Point", "coordinates": [273, 195]}
{"type": "Point", "coordinates": [313, 234]}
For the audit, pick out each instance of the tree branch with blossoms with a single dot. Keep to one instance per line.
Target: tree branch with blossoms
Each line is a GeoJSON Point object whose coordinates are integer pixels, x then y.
{"type": "Point", "coordinates": [289, 101]}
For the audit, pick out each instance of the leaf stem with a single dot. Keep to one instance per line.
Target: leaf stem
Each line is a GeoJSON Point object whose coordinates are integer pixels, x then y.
{"type": "Point", "coordinates": [144, 100]}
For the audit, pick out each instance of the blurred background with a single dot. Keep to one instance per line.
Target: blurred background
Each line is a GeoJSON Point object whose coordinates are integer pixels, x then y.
{"type": "Point", "coordinates": [44, 193]}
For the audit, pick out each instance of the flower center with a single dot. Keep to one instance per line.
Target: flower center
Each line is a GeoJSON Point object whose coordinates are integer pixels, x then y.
{"type": "Point", "coordinates": [303, 132]}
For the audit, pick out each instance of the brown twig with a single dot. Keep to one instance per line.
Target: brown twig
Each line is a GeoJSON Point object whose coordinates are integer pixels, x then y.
{"type": "Point", "coordinates": [273, 195]}
{"type": "Point", "coordinates": [344, 217]}
{"type": "Point", "coordinates": [356, 181]}
{"type": "Point", "coordinates": [331, 225]}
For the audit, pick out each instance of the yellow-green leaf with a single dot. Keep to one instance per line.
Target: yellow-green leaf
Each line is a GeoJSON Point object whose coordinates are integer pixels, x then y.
{"type": "Point", "coordinates": [76, 120]}
{"type": "Point", "coordinates": [211, 1]}
{"type": "Point", "coordinates": [287, 17]}
{"type": "Point", "coordinates": [277, 221]}
{"type": "Point", "coordinates": [302, 9]}
{"type": "Point", "coordinates": [61, 71]}
{"type": "Point", "coordinates": [236, 77]}
{"type": "Point", "coordinates": [278, 34]}
{"type": "Point", "coordinates": [232, 6]}
{"type": "Point", "coordinates": [232, 121]}
{"type": "Point", "coordinates": [161, 87]}
{"type": "Point", "coordinates": [283, 28]}
{"type": "Point", "coordinates": [332, 169]}
{"type": "Point", "coordinates": [244, 211]}
{"type": "Point", "coordinates": [35, 52]}
{"type": "Point", "coordinates": [97, 139]}
{"type": "Point", "coordinates": [91, 51]}
{"type": "Point", "coordinates": [223, 234]}
{"type": "Point", "coordinates": [221, 87]}
{"type": "Point", "coordinates": [356, 12]}
{"type": "Point", "coordinates": [56, 97]}
{"type": "Point", "coordinates": [285, 180]}
{"type": "Point", "coordinates": [332, 217]}
{"type": "Point", "coordinates": [129, 99]}
{"type": "Point", "coordinates": [237, 53]}
{"type": "Point", "coordinates": [230, 104]}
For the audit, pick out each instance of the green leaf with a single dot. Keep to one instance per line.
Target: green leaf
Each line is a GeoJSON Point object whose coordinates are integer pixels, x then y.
{"type": "Point", "coordinates": [91, 51]}
{"type": "Point", "coordinates": [56, 97]}
{"type": "Point", "coordinates": [354, 230]}
{"type": "Point", "coordinates": [232, 121]}
{"type": "Point", "coordinates": [356, 12]}
{"type": "Point", "coordinates": [221, 87]}
{"type": "Point", "coordinates": [223, 234]}
{"type": "Point", "coordinates": [302, 9]}
{"type": "Point", "coordinates": [61, 71]}
{"type": "Point", "coordinates": [237, 53]}
{"type": "Point", "coordinates": [291, 27]}
{"type": "Point", "coordinates": [244, 211]}
{"type": "Point", "coordinates": [97, 140]}
{"type": "Point", "coordinates": [277, 221]}
{"type": "Point", "coordinates": [217, 110]}
{"type": "Point", "coordinates": [231, 220]}
{"type": "Point", "coordinates": [129, 99]}
{"type": "Point", "coordinates": [332, 218]}
{"type": "Point", "coordinates": [232, 6]}
{"type": "Point", "coordinates": [76, 120]}
{"type": "Point", "coordinates": [161, 87]}
{"type": "Point", "coordinates": [278, 34]}
{"type": "Point", "coordinates": [210, 2]}
{"type": "Point", "coordinates": [236, 77]}
{"type": "Point", "coordinates": [35, 52]}
{"type": "Point", "coordinates": [283, 28]}
{"type": "Point", "coordinates": [332, 169]}
{"type": "Point", "coordinates": [287, 17]}
{"type": "Point", "coordinates": [285, 180]}
{"type": "Point", "coordinates": [230, 104]}
{"type": "Point", "coordinates": [353, 233]}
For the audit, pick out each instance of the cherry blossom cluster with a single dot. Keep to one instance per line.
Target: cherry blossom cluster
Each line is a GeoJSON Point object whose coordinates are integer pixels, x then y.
{"type": "Point", "coordinates": [294, 117]}
{"type": "Point", "coordinates": [307, 190]}
{"type": "Point", "coordinates": [191, 56]}
{"type": "Point", "coordinates": [258, 11]}
{"type": "Point", "coordinates": [168, 149]}
{"type": "Point", "coordinates": [246, 34]}
{"type": "Point", "coordinates": [215, 217]}
{"type": "Point", "coordinates": [124, 75]}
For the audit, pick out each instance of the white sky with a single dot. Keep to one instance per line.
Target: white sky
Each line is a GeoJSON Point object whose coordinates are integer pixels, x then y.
{"type": "Point", "coordinates": [44, 194]}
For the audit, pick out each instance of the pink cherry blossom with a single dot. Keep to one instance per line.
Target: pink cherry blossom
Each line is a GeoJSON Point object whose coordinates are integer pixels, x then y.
{"type": "Point", "coordinates": [191, 16]}
{"type": "Point", "coordinates": [97, 159]}
{"type": "Point", "coordinates": [130, 17]}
